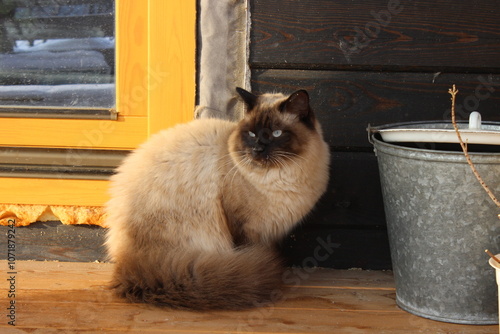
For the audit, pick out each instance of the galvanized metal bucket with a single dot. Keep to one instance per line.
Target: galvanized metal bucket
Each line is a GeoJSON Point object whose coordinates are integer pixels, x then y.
{"type": "Point", "coordinates": [440, 220]}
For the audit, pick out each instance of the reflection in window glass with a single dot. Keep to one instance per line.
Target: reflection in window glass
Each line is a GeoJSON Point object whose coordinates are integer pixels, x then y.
{"type": "Point", "coordinates": [57, 53]}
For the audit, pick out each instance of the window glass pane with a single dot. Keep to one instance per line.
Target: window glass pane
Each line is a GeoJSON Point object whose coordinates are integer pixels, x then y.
{"type": "Point", "coordinates": [57, 53]}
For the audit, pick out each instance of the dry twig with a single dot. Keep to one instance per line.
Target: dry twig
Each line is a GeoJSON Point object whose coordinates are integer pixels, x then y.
{"type": "Point", "coordinates": [492, 256]}
{"type": "Point", "coordinates": [453, 92]}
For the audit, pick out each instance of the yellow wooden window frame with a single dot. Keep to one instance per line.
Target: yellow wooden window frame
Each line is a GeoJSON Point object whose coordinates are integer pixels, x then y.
{"type": "Point", "coordinates": [155, 85]}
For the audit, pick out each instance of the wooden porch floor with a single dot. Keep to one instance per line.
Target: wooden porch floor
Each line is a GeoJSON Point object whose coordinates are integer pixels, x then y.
{"type": "Point", "coordinates": [62, 297]}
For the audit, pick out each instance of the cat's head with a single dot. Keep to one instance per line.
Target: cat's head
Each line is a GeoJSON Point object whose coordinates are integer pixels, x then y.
{"type": "Point", "coordinates": [275, 131]}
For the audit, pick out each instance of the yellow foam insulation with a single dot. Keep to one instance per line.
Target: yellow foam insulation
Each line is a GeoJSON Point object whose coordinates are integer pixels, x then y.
{"type": "Point", "coordinates": [24, 215]}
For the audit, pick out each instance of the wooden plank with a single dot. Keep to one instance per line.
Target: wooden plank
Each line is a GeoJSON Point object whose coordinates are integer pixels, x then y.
{"type": "Point", "coordinates": [126, 133]}
{"type": "Point", "coordinates": [156, 48]}
{"type": "Point", "coordinates": [361, 247]}
{"type": "Point", "coordinates": [172, 48]}
{"type": "Point", "coordinates": [340, 299]}
{"type": "Point", "coordinates": [375, 34]}
{"type": "Point", "coordinates": [349, 279]}
{"type": "Point", "coordinates": [118, 319]}
{"type": "Point", "coordinates": [354, 195]}
{"type": "Point", "coordinates": [53, 191]}
{"type": "Point", "coordinates": [347, 101]}
{"type": "Point", "coordinates": [54, 275]}
{"type": "Point", "coordinates": [72, 298]}
{"type": "Point", "coordinates": [351, 213]}
{"type": "Point", "coordinates": [132, 57]}
{"type": "Point", "coordinates": [353, 247]}
{"type": "Point", "coordinates": [54, 241]}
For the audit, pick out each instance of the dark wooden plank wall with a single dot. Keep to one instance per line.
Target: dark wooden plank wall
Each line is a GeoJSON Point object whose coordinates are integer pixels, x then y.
{"type": "Point", "coordinates": [377, 62]}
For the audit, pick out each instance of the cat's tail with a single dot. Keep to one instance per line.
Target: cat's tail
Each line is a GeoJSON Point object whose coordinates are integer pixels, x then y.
{"type": "Point", "coordinates": [244, 278]}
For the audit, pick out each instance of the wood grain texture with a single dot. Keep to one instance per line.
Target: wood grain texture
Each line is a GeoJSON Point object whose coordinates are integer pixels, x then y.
{"type": "Point", "coordinates": [126, 133]}
{"type": "Point", "coordinates": [362, 247]}
{"type": "Point", "coordinates": [375, 34]}
{"type": "Point", "coordinates": [53, 191]}
{"type": "Point", "coordinates": [54, 297]}
{"type": "Point", "coordinates": [172, 47]}
{"type": "Point", "coordinates": [350, 216]}
{"type": "Point", "coordinates": [53, 241]}
{"type": "Point", "coordinates": [354, 195]}
{"type": "Point", "coordinates": [131, 57]}
{"type": "Point", "coordinates": [347, 101]}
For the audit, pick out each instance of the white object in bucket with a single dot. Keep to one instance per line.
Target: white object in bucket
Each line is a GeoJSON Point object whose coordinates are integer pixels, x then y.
{"type": "Point", "coordinates": [475, 121]}
{"type": "Point", "coordinates": [496, 265]}
{"type": "Point", "coordinates": [443, 132]}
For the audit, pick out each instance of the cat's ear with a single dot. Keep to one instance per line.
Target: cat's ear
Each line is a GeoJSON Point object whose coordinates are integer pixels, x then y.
{"type": "Point", "coordinates": [249, 98]}
{"type": "Point", "coordinates": [298, 104]}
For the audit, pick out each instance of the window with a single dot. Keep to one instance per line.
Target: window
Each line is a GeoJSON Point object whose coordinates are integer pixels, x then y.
{"type": "Point", "coordinates": [48, 160]}
{"type": "Point", "coordinates": [57, 59]}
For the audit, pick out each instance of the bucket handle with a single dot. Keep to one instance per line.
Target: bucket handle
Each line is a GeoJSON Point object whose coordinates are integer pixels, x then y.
{"type": "Point", "coordinates": [371, 131]}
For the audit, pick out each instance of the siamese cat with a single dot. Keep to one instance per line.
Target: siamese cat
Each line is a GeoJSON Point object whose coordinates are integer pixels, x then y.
{"type": "Point", "coordinates": [196, 212]}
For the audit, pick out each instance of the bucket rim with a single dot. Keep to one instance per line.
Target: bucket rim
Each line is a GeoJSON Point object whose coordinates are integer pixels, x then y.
{"type": "Point", "coordinates": [488, 133]}
{"type": "Point", "coordinates": [377, 128]}
{"type": "Point", "coordinates": [430, 154]}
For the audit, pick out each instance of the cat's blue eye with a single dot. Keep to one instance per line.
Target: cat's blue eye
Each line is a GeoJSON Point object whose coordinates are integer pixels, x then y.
{"type": "Point", "coordinates": [277, 133]}
{"type": "Point", "coordinates": [251, 134]}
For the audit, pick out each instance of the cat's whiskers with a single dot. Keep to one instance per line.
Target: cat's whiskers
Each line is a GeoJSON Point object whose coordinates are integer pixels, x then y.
{"type": "Point", "coordinates": [289, 156]}
{"type": "Point", "coordinates": [224, 161]}
{"type": "Point", "coordinates": [292, 155]}
{"type": "Point", "coordinates": [277, 161]}
{"type": "Point", "coordinates": [234, 170]}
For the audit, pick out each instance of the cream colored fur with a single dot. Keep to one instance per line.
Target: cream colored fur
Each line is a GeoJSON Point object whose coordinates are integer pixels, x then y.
{"type": "Point", "coordinates": [186, 189]}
